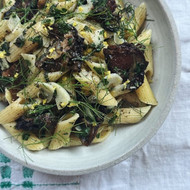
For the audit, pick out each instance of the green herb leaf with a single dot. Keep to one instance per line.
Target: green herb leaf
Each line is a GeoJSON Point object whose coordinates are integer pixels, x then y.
{"type": "Point", "coordinates": [87, 29]}
{"type": "Point", "coordinates": [99, 70]}
{"type": "Point", "coordinates": [38, 40]}
{"type": "Point", "coordinates": [20, 41]}
{"type": "Point", "coordinates": [25, 136]}
{"type": "Point", "coordinates": [5, 47]}
{"type": "Point", "coordinates": [5, 82]}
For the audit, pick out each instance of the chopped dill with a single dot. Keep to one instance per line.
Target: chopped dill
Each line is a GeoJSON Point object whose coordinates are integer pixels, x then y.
{"type": "Point", "coordinates": [40, 109]}
{"type": "Point", "coordinates": [56, 13]}
{"type": "Point", "coordinates": [4, 82]}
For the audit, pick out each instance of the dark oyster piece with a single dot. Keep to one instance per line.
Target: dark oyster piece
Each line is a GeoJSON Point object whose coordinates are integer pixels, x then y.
{"type": "Point", "coordinates": [92, 134]}
{"type": "Point", "coordinates": [103, 13]}
{"type": "Point", "coordinates": [51, 65]}
{"type": "Point", "coordinates": [69, 50]}
{"type": "Point", "coordinates": [39, 125]}
{"type": "Point", "coordinates": [10, 72]}
{"type": "Point", "coordinates": [87, 131]}
{"type": "Point", "coordinates": [128, 61]}
{"type": "Point", "coordinates": [76, 51]}
{"type": "Point", "coordinates": [111, 5]}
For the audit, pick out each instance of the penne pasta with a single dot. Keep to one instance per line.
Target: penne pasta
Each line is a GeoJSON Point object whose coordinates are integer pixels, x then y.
{"type": "Point", "coordinates": [32, 90]}
{"type": "Point", "coordinates": [5, 29]}
{"type": "Point", "coordinates": [145, 93]}
{"type": "Point", "coordinates": [131, 99]}
{"type": "Point", "coordinates": [144, 38]}
{"type": "Point", "coordinates": [69, 5]}
{"type": "Point", "coordinates": [27, 140]}
{"type": "Point", "coordinates": [105, 98]}
{"type": "Point", "coordinates": [140, 16]}
{"type": "Point", "coordinates": [7, 3]}
{"type": "Point", "coordinates": [136, 22]}
{"type": "Point", "coordinates": [8, 26]}
{"type": "Point", "coordinates": [62, 133]}
{"type": "Point", "coordinates": [119, 90]}
{"type": "Point", "coordinates": [34, 71]}
{"type": "Point", "coordinates": [8, 96]}
{"type": "Point", "coordinates": [98, 68]}
{"type": "Point", "coordinates": [13, 111]}
{"type": "Point", "coordinates": [37, 30]}
{"type": "Point", "coordinates": [150, 69]}
{"type": "Point", "coordinates": [131, 115]}
{"type": "Point", "coordinates": [94, 34]}
{"type": "Point", "coordinates": [14, 34]}
{"type": "Point", "coordinates": [102, 136]}
{"type": "Point", "coordinates": [89, 79]}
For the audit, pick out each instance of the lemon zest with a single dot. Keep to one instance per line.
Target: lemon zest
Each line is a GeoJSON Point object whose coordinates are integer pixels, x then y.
{"type": "Point", "coordinates": [80, 9]}
{"type": "Point", "coordinates": [51, 50]}
{"type": "Point", "coordinates": [74, 24]}
{"type": "Point", "coordinates": [2, 54]}
{"type": "Point", "coordinates": [16, 75]}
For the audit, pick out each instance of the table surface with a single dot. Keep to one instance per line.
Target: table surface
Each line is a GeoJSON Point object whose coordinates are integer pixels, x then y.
{"type": "Point", "coordinates": [162, 164]}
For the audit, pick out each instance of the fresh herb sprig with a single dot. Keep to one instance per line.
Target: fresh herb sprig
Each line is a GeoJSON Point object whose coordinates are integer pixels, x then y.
{"type": "Point", "coordinates": [4, 82]}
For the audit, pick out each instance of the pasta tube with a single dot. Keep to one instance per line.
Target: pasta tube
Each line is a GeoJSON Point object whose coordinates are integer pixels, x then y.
{"type": "Point", "coordinates": [145, 93]}
{"type": "Point", "coordinates": [64, 4]}
{"type": "Point", "coordinates": [8, 26]}
{"type": "Point", "coordinates": [136, 22]}
{"type": "Point", "coordinates": [131, 115]}
{"type": "Point", "coordinates": [4, 29]}
{"type": "Point", "coordinates": [144, 38]}
{"type": "Point", "coordinates": [62, 96]}
{"type": "Point", "coordinates": [29, 45]}
{"type": "Point", "coordinates": [28, 140]}
{"type": "Point", "coordinates": [13, 111]}
{"type": "Point", "coordinates": [102, 136]}
{"type": "Point", "coordinates": [7, 3]}
{"type": "Point", "coordinates": [119, 90]}
{"type": "Point", "coordinates": [150, 69]}
{"type": "Point", "coordinates": [32, 90]}
{"type": "Point", "coordinates": [8, 96]}
{"type": "Point", "coordinates": [14, 34]}
{"type": "Point", "coordinates": [132, 99]}
{"type": "Point", "coordinates": [34, 71]}
{"type": "Point", "coordinates": [91, 81]}
{"type": "Point", "coordinates": [140, 16]}
{"type": "Point", "coordinates": [94, 34]}
{"type": "Point", "coordinates": [62, 133]}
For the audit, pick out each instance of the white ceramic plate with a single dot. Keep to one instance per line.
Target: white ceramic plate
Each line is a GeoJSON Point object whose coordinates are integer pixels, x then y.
{"type": "Point", "coordinates": [122, 144]}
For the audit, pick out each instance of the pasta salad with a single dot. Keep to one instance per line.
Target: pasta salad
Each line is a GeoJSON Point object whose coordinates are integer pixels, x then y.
{"type": "Point", "coordinates": [71, 70]}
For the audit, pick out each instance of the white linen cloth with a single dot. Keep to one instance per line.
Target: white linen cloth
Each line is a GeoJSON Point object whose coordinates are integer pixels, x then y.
{"type": "Point", "coordinates": [163, 163]}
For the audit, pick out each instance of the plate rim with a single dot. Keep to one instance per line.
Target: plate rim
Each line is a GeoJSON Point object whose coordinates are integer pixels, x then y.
{"type": "Point", "coordinates": [154, 130]}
